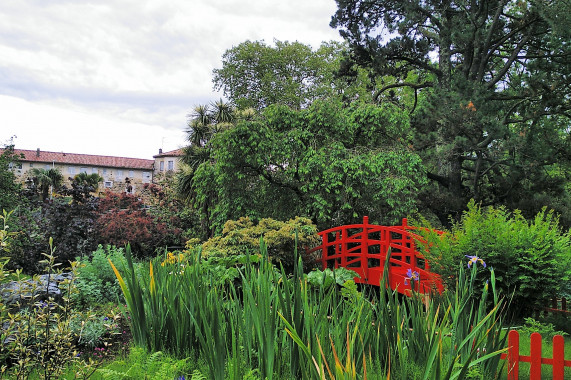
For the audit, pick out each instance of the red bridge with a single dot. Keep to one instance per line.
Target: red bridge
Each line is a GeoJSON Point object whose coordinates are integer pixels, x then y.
{"type": "Point", "coordinates": [363, 248]}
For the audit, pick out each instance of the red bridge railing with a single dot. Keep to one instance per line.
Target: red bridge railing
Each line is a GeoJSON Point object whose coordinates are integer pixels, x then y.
{"type": "Point", "coordinates": [363, 249]}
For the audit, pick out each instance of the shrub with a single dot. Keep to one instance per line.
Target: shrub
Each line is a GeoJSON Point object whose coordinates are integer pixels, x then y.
{"type": "Point", "coordinates": [546, 330]}
{"type": "Point", "coordinates": [97, 283]}
{"type": "Point", "coordinates": [124, 220]}
{"type": "Point", "coordinates": [531, 259]}
{"type": "Point", "coordinates": [29, 241]}
{"type": "Point", "coordinates": [70, 224]}
{"type": "Point", "coordinates": [95, 331]}
{"type": "Point", "coordinates": [39, 338]}
{"type": "Point", "coordinates": [242, 235]}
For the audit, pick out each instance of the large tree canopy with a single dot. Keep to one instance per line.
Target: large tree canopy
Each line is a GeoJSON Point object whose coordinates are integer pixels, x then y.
{"type": "Point", "coordinates": [495, 77]}
{"type": "Point", "coordinates": [327, 162]}
{"type": "Point", "coordinates": [256, 75]}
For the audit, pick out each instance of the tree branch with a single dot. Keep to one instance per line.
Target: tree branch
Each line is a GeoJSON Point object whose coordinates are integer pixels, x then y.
{"type": "Point", "coordinates": [438, 178]}
{"type": "Point", "coordinates": [508, 64]}
{"type": "Point", "coordinates": [416, 86]}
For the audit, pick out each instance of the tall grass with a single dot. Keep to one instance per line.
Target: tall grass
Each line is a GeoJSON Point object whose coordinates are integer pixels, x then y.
{"type": "Point", "coordinates": [279, 326]}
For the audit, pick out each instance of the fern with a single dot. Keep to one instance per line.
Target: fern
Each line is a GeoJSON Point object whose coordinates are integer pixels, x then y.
{"type": "Point", "coordinates": [197, 375]}
{"type": "Point", "coordinates": [108, 373]}
{"type": "Point", "coordinates": [156, 366]}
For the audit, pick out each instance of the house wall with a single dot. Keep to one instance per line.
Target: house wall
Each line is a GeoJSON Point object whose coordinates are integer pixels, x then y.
{"type": "Point", "coordinates": [166, 164]}
{"type": "Point", "coordinates": [114, 179]}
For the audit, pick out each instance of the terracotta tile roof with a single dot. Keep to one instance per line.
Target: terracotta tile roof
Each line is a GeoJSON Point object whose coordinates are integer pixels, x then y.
{"type": "Point", "coordinates": [172, 153]}
{"type": "Point", "coordinates": [85, 159]}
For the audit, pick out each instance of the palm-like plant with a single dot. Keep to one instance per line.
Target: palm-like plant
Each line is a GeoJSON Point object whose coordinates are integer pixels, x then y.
{"type": "Point", "coordinates": [203, 123]}
{"type": "Point", "coordinates": [200, 125]}
{"type": "Point", "coordinates": [46, 180]}
{"type": "Point", "coordinates": [84, 179]}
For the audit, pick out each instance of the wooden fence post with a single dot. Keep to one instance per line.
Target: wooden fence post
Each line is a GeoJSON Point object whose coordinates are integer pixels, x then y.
{"type": "Point", "coordinates": [558, 357]}
{"type": "Point", "coordinates": [513, 355]}
{"type": "Point", "coordinates": [535, 357]}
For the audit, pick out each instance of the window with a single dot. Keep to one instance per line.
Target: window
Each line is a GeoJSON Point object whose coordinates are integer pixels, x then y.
{"type": "Point", "coordinates": [70, 170]}
{"type": "Point", "coordinates": [170, 165]}
{"type": "Point", "coordinates": [104, 171]}
{"type": "Point", "coordinates": [131, 173]}
{"type": "Point", "coordinates": [119, 173]}
{"type": "Point", "coordinates": [146, 177]}
{"type": "Point", "coordinates": [83, 170]}
{"type": "Point", "coordinates": [94, 171]}
{"type": "Point", "coordinates": [47, 166]}
{"type": "Point", "coordinates": [31, 164]}
{"type": "Point", "coordinates": [108, 184]}
{"type": "Point", "coordinates": [162, 169]}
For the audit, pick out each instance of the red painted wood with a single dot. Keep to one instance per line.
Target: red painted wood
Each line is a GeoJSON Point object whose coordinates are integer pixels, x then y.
{"type": "Point", "coordinates": [513, 355]}
{"type": "Point", "coordinates": [363, 249]}
{"type": "Point", "coordinates": [535, 357]}
{"type": "Point", "coordinates": [514, 358]}
{"type": "Point", "coordinates": [558, 357]}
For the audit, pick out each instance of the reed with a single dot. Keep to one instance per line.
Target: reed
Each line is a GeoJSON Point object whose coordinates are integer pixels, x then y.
{"type": "Point", "coordinates": [279, 325]}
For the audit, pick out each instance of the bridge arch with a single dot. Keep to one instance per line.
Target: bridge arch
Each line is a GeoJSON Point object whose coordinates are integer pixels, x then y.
{"type": "Point", "coordinates": [363, 249]}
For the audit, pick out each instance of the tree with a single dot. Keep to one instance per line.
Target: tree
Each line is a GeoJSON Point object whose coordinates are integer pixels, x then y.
{"type": "Point", "coordinates": [203, 123]}
{"type": "Point", "coordinates": [256, 75]}
{"type": "Point", "coordinates": [46, 180]}
{"type": "Point", "coordinates": [89, 180]}
{"type": "Point", "coordinates": [326, 162]}
{"type": "Point", "coordinates": [491, 81]}
{"type": "Point", "coordinates": [9, 189]}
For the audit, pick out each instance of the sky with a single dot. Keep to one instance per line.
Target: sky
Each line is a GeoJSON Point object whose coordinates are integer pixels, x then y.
{"type": "Point", "coordinates": [119, 77]}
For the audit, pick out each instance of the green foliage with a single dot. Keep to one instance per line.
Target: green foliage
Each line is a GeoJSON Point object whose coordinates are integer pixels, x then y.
{"type": "Point", "coordinates": [97, 283]}
{"type": "Point", "coordinates": [279, 326]}
{"type": "Point", "coordinates": [9, 189]}
{"type": "Point", "coordinates": [40, 338]}
{"type": "Point", "coordinates": [328, 277]}
{"type": "Point", "coordinates": [46, 181]}
{"type": "Point", "coordinates": [327, 162]}
{"type": "Point", "coordinates": [143, 365]}
{"type": "Point", "coordinates": [257, 75]}
{"type": "Point", "coordinates": [96, 333]}
{"type": "Point", "coordinates": [243, 236]}
{"type": "Point", "coordinates": [92, 180]}
{"type": "Point", "coordinates": [490, 82]}
{"type": "Point", "coordinates": [531, 259]}
{"type": "Point", "coordinates": [166, 207]}
{"type": "Point", "coordinates": [546, 330]}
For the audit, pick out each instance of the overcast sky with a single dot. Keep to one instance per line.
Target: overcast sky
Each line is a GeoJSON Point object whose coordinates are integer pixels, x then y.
{"type": "Point", "coordinates": [119, 77]}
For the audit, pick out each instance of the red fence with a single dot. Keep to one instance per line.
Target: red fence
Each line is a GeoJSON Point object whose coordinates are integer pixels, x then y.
{"type": "Point", "coordinates": [555, 306]}
{"type": "Point", "coordinates": [363, 249]}
{"type": "Point", "coordinates": [535, 359]}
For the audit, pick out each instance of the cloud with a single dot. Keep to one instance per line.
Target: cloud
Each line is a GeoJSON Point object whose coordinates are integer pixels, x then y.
{"type": "Point", "coordinates": [147, 62]}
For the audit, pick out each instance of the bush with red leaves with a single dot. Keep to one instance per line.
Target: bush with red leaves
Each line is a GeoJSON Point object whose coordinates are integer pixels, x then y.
{"type": "Point", "coordinates": [125, 219]}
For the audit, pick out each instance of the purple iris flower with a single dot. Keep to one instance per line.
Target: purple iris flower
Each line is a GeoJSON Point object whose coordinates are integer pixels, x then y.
{"type": "Point", "coordinates": [410, 275]}
{"type": "Point", "coordinates": [474, 260]}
